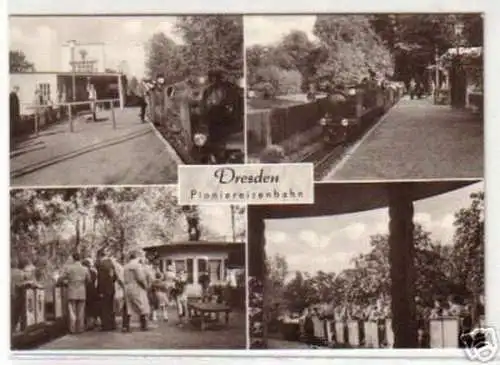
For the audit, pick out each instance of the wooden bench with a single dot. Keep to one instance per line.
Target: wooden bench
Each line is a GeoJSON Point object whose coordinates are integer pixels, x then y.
{"type": "Point", "coordinates": [203, 312]}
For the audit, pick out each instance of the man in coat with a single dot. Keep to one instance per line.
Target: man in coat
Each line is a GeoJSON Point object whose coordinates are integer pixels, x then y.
{"type": "Point", "coordinates": [142, 98]}
{"type": "Point", "coordinates": [106, 278]}
{"type": "Point", "coordinates": [17, 294]}
{"type": "Point", "coordinates": [76, 276]}
{"type": "Point", "coordinates": [135, 280]}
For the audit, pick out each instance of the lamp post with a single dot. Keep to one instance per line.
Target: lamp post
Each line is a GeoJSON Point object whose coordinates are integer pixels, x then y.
{"type": "Point", "coordinates": [72, 46]}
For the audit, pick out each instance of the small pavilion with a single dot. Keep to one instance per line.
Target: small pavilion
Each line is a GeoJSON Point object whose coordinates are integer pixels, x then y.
{"type": "Point", "coordinates": [337, 199]}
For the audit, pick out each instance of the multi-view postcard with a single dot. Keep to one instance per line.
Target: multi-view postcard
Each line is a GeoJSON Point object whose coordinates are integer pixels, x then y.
{"type": "Point", "coordinates": [245, 182]}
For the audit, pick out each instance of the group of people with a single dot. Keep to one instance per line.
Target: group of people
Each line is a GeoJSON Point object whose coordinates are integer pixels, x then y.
{"type": "Point", "coordinates": [380, 310]}
{"type": "Point", "coordinates": [100, 292]}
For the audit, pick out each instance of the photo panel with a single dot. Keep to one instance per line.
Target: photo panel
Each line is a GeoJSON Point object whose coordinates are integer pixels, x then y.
{"type": "Point", "coordinates": [117, 268]}
{"type": "Point", "coordinates": [369, 265]}
{"type": "Point", "coordinates": [115, 100]}
{"type": "Point", "coordinates": [367, 96]}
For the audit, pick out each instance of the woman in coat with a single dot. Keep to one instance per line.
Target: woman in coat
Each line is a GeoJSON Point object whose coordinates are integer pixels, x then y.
{"type": "Point", "coordinates": [136, 292]}
{"type": "Point", "coordinates": [92, 298]}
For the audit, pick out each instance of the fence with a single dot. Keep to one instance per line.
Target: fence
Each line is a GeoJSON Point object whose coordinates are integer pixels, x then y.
{"type": "Point", "coordinates": [274, 126]}
{"type": "Point", "coordinates": [442, 332]}
{"type": "Point", "coordinates": [45, 115]}
{"type": "Point", "coordinates": [41, 319]}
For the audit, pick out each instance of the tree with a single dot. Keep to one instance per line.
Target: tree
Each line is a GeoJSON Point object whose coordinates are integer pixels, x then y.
{"type": "Point", "coordinates": [353, 48]}
{"type": "Point", "coordinates": [238, 222]}
{"type": "Point", "coordinates": [19, 63]}
{"type": "Point", "coordinates": [469, 244]}
{"type": "Point", "coordinates": [47, 225]}
{"type": "Point", "coordinates": [214, 41]}
{"type": "Point", "coordinates": [272, 80]}
{"type": "Point", "coordinates": [164, 56]}
{"type": "Point", "coordinates": [414, 38]}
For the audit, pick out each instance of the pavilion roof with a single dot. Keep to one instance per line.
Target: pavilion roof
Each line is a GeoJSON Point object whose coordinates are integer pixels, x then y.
{"type": "Point", "coordinates": [335, 199]}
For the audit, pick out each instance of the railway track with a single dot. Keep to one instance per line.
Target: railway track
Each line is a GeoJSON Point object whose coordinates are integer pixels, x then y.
{"type": "Point", "coordinates": [325, 157]}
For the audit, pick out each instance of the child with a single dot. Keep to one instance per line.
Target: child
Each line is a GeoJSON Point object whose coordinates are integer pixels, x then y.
{"type": "Point", "coordinates": [160, 290]}
{"type": "Point", "coordinates": [180, 296]}
{"type": "Point", "coordinates": [170, 277]}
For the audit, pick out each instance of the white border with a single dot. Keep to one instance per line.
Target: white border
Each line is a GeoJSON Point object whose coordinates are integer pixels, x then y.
{"type": "Point", "coordinates": [492, 134]}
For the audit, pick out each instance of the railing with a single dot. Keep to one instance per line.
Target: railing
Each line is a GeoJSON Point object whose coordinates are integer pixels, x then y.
{"type": "Point", "coordinates": [68, 109]}
{"type": "Point", "coordinates": [40, 320]}
{"type": "Point", "coordinates": [439, 333]}
{"type": "Point", "coordinates": [274, 126]}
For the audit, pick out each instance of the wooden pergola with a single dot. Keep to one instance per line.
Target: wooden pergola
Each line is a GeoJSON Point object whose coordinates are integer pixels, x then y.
{"type": "Point", "coordinates": [336, 199]}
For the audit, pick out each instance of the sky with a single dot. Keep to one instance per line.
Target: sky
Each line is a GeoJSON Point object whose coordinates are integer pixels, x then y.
{"type": "Point", "coordinates": [330, 243]}
{"type": "Point", "coordinates": [269, 30]}
{"type": "Point", "coordinates": [41, 38]}
{"type": "Point", "coordinates": [218, 219]}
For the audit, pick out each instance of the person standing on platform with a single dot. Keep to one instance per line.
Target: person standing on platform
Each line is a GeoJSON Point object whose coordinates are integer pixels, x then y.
{"type": "Point", "coordinates": [92, 95]}
{"type": "Point", "coordinates": [76, 276]}
{"type": "Point", "coordinates": [136, 292]}
{"type": "Point", "coordinates": [142, 96]}
{"type": "Point", "coordinates": [15, 108]}
{"type": "Point", "coordinates": [38, 112]}
{"type": "Point", "coordinates": [106, 278]}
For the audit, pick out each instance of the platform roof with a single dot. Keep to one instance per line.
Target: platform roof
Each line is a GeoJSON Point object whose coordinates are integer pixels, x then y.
{"type": "Point", "coordinates": [197, 244]}
{"type": "Point", "coordinates": [342, 198]}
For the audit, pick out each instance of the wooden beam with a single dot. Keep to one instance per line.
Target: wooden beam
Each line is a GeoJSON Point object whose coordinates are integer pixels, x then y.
{"type": "Point", "coordinates": [401, 259]}
{"type": "Point", "coordinates": [257, 261]}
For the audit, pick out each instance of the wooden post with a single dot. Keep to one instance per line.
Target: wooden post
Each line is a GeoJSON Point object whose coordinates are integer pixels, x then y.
{"type": "Point", "coordinates": [436, 76]}
{"type": "Point", "coordinates": [401, 258]}
{"type": "Point", "coordinates": [113, 118]}
{"type": "Point", "coordinates": [70, 117]}
{"type": "Point", "coordinates": [152, 107]}
{"type": "Point", "coordinates": [120, 92]}
{"type": "Point", "coordinates": [257, 259]}
{"type": "Point", "coordinates": [37, 119]}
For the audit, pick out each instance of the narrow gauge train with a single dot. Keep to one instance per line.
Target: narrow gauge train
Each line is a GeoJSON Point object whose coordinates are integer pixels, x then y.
{"type": "Point", "coordinates": [347, 111]}
{"type": "Point", "coordinates": [214, 132]}
{"type": "Point", "coordinates": [217, 130]}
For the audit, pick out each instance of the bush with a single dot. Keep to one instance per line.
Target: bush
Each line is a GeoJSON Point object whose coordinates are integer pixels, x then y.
{"type": "Point", "coordinates": [272, 80]}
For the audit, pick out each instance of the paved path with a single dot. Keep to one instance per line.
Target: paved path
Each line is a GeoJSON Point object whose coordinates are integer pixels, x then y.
{"type": "Point", "coordinates": [94, 153]}
{"type": "Point", "coordinates": [161, 335]}
{"type": "Point", "coordinates": [417, 140]}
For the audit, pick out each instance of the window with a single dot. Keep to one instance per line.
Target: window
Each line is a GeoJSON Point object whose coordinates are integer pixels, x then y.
{"type": "Point", "coordinates": [189, 271]}
{"type": "Point", "coordinates": [214, 272]}
{"type": "Point", "coordinates": [45, 91]}
{"type": "Point", "coordinates": [180, 265]}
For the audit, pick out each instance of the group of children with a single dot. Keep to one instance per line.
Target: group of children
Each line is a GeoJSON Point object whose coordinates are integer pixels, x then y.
{"type": "Point", "coordinates": [168, 289]}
